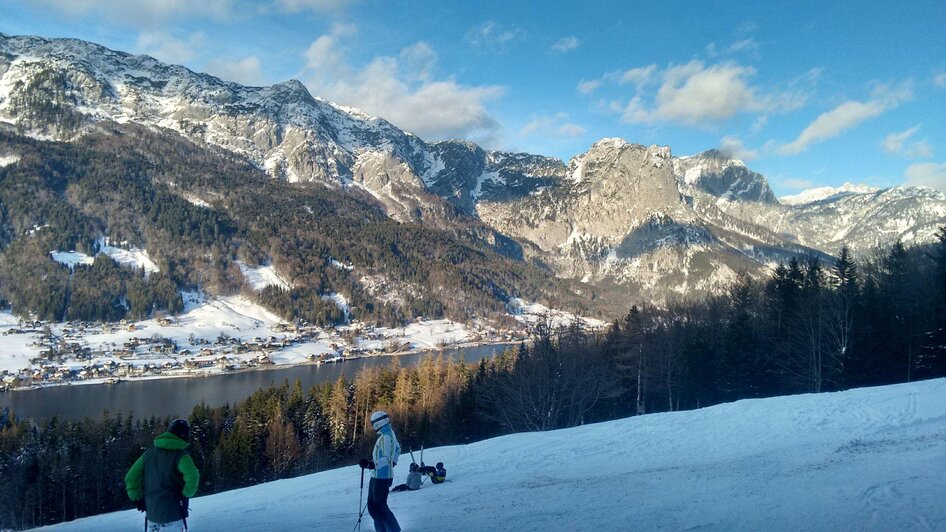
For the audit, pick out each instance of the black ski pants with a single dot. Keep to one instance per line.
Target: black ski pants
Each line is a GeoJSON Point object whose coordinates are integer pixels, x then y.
{"type": "Point", "coordinates": [384, 520]}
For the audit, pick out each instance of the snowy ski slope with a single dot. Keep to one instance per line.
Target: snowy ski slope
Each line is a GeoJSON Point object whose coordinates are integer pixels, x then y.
{"type": "Point", "coordinates": [865, 459]}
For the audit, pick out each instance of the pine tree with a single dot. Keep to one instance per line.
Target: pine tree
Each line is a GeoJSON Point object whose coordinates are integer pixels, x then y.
{"type": "Point", "coordinates": [931, 361]}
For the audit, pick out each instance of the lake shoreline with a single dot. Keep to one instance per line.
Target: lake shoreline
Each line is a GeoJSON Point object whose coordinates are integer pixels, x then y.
{"type": "Point", "coordinates": [216, 372]}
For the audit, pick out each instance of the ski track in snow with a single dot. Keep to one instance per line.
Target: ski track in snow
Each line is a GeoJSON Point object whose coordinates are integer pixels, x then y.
{"type": "Point", "coordinates": [865, 459]}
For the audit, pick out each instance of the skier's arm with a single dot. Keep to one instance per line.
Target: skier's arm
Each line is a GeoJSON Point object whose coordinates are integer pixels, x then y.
{"type": "Point", "coordinates": [191, 475]}
{"type": "Point", "coordinates": [133, 479]}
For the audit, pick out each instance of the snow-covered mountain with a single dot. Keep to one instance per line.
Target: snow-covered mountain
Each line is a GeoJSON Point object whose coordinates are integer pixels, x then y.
{"type": "Point", "coordinates": [619, 215]}
{"type": "Point", "coordinates": [858, 216]}
{"type": "Point", "coordinates": [723, 176]}
{"type": "Point", "coordinates": [864, 459]}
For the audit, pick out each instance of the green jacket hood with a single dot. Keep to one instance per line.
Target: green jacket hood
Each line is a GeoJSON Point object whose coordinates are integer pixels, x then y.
{"type": "Point", "coordinates": [170, 442]}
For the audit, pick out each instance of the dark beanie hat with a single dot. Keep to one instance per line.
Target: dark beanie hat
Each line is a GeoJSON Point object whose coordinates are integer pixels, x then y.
{"type": "Point", "coordinates": [180, 428]}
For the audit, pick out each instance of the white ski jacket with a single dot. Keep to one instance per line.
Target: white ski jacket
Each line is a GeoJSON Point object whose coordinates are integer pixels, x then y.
{"type": "Point", "coordinates": [385, 454]}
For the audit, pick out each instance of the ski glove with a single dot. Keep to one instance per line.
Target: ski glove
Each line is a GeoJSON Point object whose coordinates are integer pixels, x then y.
{"type": "Point", "coordinates": [140, 505]}
{"type": "Point", "coordinates": [366, 464]}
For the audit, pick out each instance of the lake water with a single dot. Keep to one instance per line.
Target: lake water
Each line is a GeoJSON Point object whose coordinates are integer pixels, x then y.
{"type": "Point", "coordinates": [176, 397]}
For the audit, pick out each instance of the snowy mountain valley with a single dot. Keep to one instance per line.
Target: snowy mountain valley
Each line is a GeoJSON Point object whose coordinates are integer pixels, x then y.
{"type": "Point", "coordinates": [161, 222]}
{"type": "Point", "coordinates": [864, 459]}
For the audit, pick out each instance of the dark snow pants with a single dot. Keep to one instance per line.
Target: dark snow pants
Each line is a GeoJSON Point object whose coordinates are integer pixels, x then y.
{"type": "Point", "coordinates": [384, 520]}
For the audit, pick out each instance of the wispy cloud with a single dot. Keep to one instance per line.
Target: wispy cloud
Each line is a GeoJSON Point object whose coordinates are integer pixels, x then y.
{"type": "Point", "coordinates": [848, 115]}
{"type": "Point", "coordinates": [148, 13]}
{"type": "Point", "coordinates": [493, 35]}
{"type": "Point", "coordinates": [589, 86]}
{"type": "Point", "coordinates": [318, 6]}
{"type": "Point", "coordinates": [796, 184]}
{"type": "Point", "coordinates": [733, 146]}
{"type": "Point", "coordinates": [927, 175]}
{"type": "Point", "coordinates": [157, 13]}
{"type": "Point", "coordinates": [402, 88]}
{"type": "Point", "coordinates": [247, 71]}
{"type": "Point", "coordinates": [939, 80]}
{"type": "Point", "coordinates": [168, 48]}
{"type": "Point", "coordinates": [897, 144]}
{"type": "Point", "coordinates": [747, 46]}
{"type": "Point", "coordinates": [566, 44]}
{"type": "Point", "coordinates": [554, 125]}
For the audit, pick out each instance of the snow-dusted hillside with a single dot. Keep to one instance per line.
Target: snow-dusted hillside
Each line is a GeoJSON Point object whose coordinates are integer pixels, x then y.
{"type": "Point", "coordinates": [866, 459]}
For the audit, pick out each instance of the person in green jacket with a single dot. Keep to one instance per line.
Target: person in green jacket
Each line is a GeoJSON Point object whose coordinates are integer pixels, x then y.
{"type": "Point", "coordinates": [163, 479]}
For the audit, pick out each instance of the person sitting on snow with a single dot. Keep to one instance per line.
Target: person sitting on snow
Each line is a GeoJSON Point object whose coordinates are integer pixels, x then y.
{"type": "Point", "coordinates": [437, 474]}
{"type": "Point", "coordinates": [413, 480]}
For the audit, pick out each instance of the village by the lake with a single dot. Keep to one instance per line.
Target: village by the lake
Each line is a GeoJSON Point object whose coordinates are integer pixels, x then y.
{"type": "Point", "coordinates": [218, 336]}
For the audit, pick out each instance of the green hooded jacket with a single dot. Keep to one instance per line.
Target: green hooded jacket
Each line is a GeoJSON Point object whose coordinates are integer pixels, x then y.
{"type": "Point", "coordinates": [163, 475]}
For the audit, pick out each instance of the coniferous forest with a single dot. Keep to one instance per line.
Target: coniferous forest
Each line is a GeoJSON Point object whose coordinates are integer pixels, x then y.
{"type": "Point", "coordinates": [132, 185]}
{"type": "Point", "coordinates": [809, 327]}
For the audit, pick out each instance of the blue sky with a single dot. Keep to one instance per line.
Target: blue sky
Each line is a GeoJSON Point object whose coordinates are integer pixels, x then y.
{"type": "Point", "coordinates": [807, 93]}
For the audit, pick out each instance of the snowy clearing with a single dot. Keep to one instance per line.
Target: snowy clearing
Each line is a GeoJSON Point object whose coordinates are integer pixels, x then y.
{"type": "Point", "coordinates": [262, 276]}
{"type": "Point", "coordinates": [132, 257]}
{"type": "Point", "coordinates": [531, 313]}
{"type": "Point", "coordinates": [865, 459]}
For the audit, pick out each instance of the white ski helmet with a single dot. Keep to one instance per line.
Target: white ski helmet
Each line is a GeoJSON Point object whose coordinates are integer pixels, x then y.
{"type": "Point", "coordinates": [379, 419]}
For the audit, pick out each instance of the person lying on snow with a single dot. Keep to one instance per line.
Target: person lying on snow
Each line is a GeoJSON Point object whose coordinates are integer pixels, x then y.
{"type": "Point", "coordinates": [437, 474]}
{"type": "Point", "coordinates": [413, 480]}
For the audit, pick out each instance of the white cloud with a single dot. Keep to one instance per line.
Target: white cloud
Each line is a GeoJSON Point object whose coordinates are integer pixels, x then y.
{"type": "Point", "coordinates": [402, 89]}
{"type": "Point", "coordinates": [566, 43]}
{"type": "Point", "coordinates": [246, 71]}
{"type": "Point", "coordinates": [796, 184]}
{"type": "Point", "coordinates": [940, 80]}
{"type": "Point", "coordinates": [168, 48]}
{"type": "Point", "coordinates": [696, 94]}
{"type": "Point", "coordinates": [325, 56]}
{"type": "Point", "coordinates": [896, 144]}
{"type": "Point", "coordinates": [492, 35]}
{"type": "Point", "coordinates": [847, 115]}
{"type": "Point", "coordinates": [587, 87]}
{"type": "Point", "coordinates": [557, 125]}
{"type": "Point", "coordinates": [927, 174]}
{"type": "Point", "coordinates": [733, 146]}
{"type": "Point", "coordinates": [749, 46]}
{"type": "Point", "coordinates": [638, 76]}
{"type": "Point", "coordinates": [418, 61]}
{"type": "Point", "coordinates": [295, 6]}
{"type": "Point", "coordinates": [146, 13]}
{"type": "Point", "coordinates": [759, 123]}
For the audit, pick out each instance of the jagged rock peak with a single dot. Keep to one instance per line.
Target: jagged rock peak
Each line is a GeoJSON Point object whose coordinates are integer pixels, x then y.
{"type": "Point", "coordinates": [605, 152]}
{"type": "Point", "coordinates": [724, 176]}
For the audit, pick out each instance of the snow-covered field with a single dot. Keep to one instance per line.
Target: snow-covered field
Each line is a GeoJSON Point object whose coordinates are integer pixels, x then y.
{"type": "Point", "coordinates": [530, 313]}
{"type": "Point", "coordinates": [260, 277]}
{"type": "Point", "coordinates": [860, 460]}
{"type": "Point", "coordinates": [131, 257]}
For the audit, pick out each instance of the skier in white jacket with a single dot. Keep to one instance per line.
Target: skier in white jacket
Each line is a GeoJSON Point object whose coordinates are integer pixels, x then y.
{"type": "Point", "coordinates": [383, 459]}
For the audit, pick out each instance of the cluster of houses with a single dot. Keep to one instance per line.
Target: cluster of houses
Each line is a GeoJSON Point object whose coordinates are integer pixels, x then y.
{"type": "Point", "coordinates": [63, 358]}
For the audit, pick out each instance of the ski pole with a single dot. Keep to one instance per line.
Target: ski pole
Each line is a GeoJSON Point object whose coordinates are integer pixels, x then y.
{"type": "Point", "coordinates": [412, 457]}
{"type": "Point", "coordinates": [361, 496]}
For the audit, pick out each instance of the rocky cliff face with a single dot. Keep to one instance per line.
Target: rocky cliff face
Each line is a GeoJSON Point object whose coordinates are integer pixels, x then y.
{"type": "Point", "coordinates": [723, 176]}
{"type": "Point", "coordinates": [621, 215]}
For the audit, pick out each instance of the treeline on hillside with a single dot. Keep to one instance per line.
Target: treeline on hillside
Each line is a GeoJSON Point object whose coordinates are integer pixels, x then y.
{"type": "Point", "coordinates": [810, 327]}
{"type": "Point", "coordinates": [51, 471]}
{"type": "Point", "coordinates": [139, 186]}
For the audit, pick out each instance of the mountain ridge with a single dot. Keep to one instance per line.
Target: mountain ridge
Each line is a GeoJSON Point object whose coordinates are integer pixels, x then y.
{"type": "Point", "coordinates": [621, 214]}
